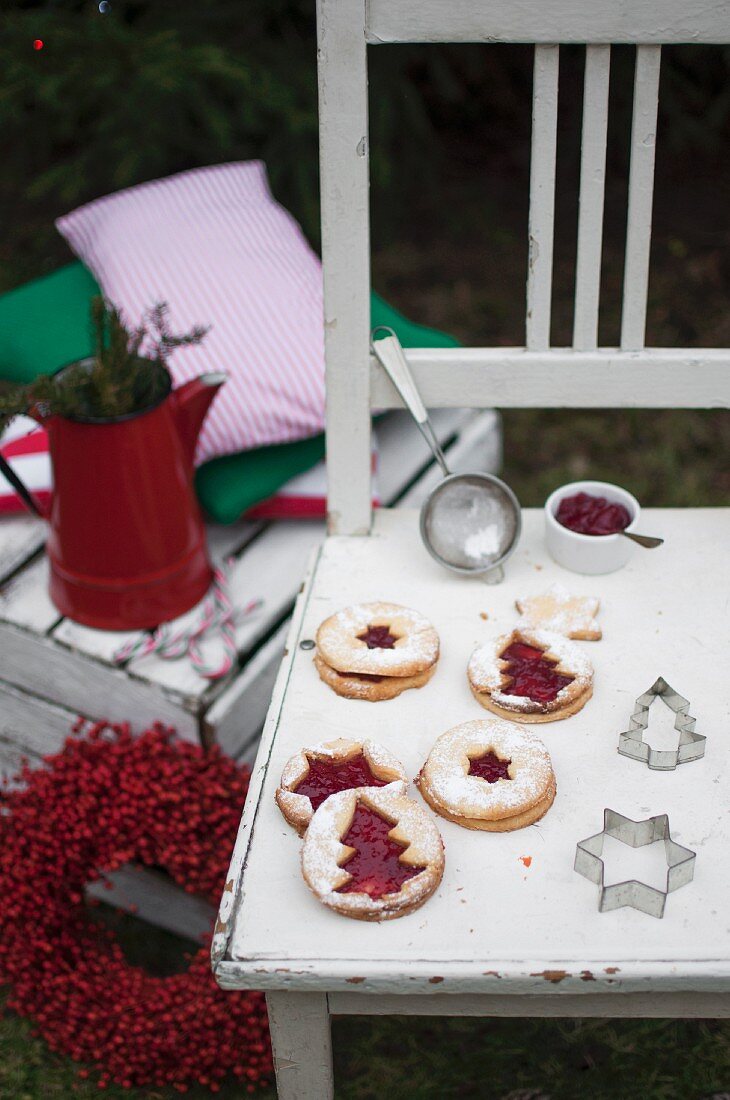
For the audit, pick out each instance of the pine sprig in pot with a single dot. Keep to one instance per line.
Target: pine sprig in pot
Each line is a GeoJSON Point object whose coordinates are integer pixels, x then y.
{"type": "Point", "coordinates": [127, 373]}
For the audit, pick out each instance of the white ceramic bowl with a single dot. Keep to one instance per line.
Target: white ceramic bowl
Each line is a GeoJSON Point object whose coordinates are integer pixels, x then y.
{"type": "Point", "coordinates": [590, 553]}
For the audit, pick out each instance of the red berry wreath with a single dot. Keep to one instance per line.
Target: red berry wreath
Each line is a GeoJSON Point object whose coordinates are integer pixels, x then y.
{"type": "Point", "coordinates": [106, 799]}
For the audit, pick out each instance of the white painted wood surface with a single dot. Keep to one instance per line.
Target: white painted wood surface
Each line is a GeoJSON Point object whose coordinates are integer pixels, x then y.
{"type": "Point", "coordinates": [23, 536]}
{"type": "Point", "coordinates": [547, 21]}
{"type": "Point", "coordinates": [592, 187]}
{"type": "Point", "coordinates": [344, 159]}
{"type": "Point", "coordinates": [542, 197]}
{"type": "Point", "coordinates": [282, 938]}
{"type": "Point", "coordinates": [302, 1044]}
{"type": "Point", "coordinates": [641, 197]}
{"type": "Point", "coordinates": [659, 378]}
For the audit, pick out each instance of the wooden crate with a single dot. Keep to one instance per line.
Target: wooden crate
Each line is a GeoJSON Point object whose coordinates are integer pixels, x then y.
{"type": "Point", "coordinates": [52, 669]}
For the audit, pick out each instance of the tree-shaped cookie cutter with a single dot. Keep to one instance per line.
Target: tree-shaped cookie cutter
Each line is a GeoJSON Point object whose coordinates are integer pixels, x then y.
{"type": "Point", "coordinates": [691, 745]}
{"type": "Point", "coordinates": [639, 895]}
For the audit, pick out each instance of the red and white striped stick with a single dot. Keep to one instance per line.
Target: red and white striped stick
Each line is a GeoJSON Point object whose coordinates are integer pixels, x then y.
{"type": "Point", "coordinates": [217, 622]}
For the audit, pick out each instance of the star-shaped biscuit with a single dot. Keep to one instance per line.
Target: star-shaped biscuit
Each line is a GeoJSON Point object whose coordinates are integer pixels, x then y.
{"type": "Point", "coordinates": [557, 610]}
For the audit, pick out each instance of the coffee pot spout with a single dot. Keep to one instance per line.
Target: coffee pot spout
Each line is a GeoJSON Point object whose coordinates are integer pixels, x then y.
{"type": "Point", "coordinates": [191, 403]}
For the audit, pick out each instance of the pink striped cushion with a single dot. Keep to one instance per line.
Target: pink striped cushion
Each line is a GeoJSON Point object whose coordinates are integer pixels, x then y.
{"type": "Point", "coordinates": [216, 247]}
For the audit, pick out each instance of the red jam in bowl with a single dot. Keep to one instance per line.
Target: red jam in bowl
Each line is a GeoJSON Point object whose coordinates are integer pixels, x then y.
{"type": "Point", "coordinates": [532, 674]}
{"type": "Point", "coordinates": [589, 515]}
{"type": "Point", "coordinates": [375, 865]}
{"type": "Point", "coordinates": [325, 777]}
{"type": "Point", "coordinates": [490, 767]}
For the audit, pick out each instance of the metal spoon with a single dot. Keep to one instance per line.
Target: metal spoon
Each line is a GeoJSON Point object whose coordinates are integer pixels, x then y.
{"type": "Point", "coordinates": [470, 523]}
{"type": "Point", "coordinates": [647, 541]}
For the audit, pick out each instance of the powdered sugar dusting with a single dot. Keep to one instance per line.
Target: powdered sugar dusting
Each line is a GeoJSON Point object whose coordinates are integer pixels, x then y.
{"type": "Point", "coordinates": [483, 544]}
{"type": "Point", "coordinates": [446, 772]}
{"type": "Point", "coordinates": [416, 647]}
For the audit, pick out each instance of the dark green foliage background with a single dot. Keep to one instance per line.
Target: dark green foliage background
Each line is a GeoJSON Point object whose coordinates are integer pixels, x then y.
{"type": "Point", "coordinates": [157, 86]}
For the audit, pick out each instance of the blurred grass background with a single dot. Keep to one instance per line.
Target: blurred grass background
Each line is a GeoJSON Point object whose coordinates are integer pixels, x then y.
{"type": "Point", "coordinates": [152, 88]}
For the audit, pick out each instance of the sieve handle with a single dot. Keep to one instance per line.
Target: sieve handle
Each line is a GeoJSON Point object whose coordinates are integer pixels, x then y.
{"type": "Point", "coordinates": [389, 353]}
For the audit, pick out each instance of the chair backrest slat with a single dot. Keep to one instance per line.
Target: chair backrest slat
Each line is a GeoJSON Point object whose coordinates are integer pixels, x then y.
{"type": "Point", "coordinates": [344, 186]}
{"type": "Point", "coordinates": [547, 21]}
{"type": "Point", "coordinates": [542, 197]}
{"type": "Point", "coordinates": [536, 375]}
{"type": "Point", "coordinates": [641, 197]}
{"type": "Point", "coordinates": [592, 188]}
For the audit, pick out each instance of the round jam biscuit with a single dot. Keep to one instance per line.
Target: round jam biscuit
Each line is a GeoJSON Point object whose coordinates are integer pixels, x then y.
{"type": "Point", "coordinates": [531, 676]}
{"type": "Point", "coordinates": [313, 774]}
{"type": "Point", "coordinates": [372, 688]}
{"type": "Point", "coordinates": [372, 853]}
{"type": "Point", "coordinates": [378, 639]}
{"type": "Point", "coordinates": [560, 612]}
{"type": "Point", "coordinates": [490, 775]}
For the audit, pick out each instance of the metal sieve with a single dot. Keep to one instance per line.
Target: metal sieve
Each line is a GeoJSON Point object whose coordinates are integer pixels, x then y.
{"type": "Point", "coordinates": [471, 522]}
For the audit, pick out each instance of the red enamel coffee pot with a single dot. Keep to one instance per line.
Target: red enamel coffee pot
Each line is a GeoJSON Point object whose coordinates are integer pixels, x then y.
{"type": "Point", "coordinates": [126, 544]}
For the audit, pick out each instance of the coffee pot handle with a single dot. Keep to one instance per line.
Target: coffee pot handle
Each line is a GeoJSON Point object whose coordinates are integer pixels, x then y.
{"type": "Point", "coordinates": [22, 490]}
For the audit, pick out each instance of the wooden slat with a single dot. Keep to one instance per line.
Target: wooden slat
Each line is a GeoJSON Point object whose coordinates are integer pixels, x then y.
{"type": "Point", "coordinates": [33, 726]}
{"type": "Point", "coordinates": [24, 601]}
{"type": "Point", "coordinates": [343, 130]}
{"type": "Point", "coordinates": [592, 186]}
{"type": "Point", "coordinates": [20, 538]}
{"type": "Point", "coordinates": [154, 897]}
{"type": "Point", "coordinates": [641, 195]}
{"type": "Point", "coordinates": [656, 378]}
{"type": "Point", "coordinates": [576, 21]}
{"type": "Point", "coordinates": [542, 196]}
{"type": "Point", "coordinates": [236, 718]}
{"type": "Point", "coordinates": [40, 666]}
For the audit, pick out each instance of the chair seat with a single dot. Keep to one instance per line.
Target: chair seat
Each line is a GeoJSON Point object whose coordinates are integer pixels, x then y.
{"type": "Point", "coordinates": [495, 925]}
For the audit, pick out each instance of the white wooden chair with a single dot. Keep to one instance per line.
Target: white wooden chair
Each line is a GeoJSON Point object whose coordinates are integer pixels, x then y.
{"type": "Point", "coordinates": [498, 938]}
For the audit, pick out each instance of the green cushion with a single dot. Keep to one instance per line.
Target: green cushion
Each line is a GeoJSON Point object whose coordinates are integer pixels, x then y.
{"type": "Point", "coordinates": [228, 486]}
{"type": "Point", "coordinates": [45, 324]}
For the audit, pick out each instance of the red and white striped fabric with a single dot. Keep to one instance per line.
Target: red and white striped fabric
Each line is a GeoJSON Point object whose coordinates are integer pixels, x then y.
{"type": "Point", "coordinates": [25, 445]}
{"type": "Point", "coordinates": [215, 246]}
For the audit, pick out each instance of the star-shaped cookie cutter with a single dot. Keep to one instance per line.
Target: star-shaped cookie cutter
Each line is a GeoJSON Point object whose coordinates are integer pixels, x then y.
{"type": "Point", "coordinates": [691, 745]}
{"type": "Point", "coordinates": [680, 863]}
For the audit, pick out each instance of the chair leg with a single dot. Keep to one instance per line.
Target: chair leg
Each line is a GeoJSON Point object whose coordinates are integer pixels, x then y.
{"type": "Point", "coordinates": [302, 1045]}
